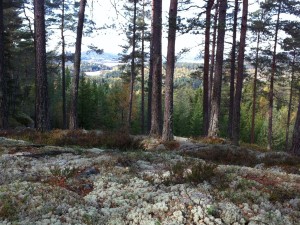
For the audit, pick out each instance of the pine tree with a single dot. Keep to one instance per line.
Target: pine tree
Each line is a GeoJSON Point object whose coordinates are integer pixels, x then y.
{"type": "Point", "coordinates": [260, 27]}
{"type": "Point", "coordinates": [167, 134]}
{"type": "Point", "coordinates": [73, 123]}
{"type": "Point", "coordinates": [206, 89]}
{"type": "Point", "coordinates": [132, 66]}
{"type": "Point", "coordinates": [134, 55]}
{"type": "Point", "coordinates": [271, 93]}
{"type": "Point", "coordinates": [240, 77]}
{"type": "Point", "coordinates": [156, 101]}
{"type": "Point", "coordinates": [291, 45]}
{"type": "Point", "coordinates": [213, 50]}
{"type": "Point", "coordinates": [63, 65]}
{"type": "Point", "coordinates": [3, 83]}
{"type": "Point", "coordinates": [217, 84]}
{"type": "Point", "coordinates": [295, 149]}
{"type": "Point", "coordinates": [42, 114]}
{"type": "Point", "coordinates": [232, 69]}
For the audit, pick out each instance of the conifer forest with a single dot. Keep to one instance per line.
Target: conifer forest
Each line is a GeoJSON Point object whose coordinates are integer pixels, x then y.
{"type": "Point", "coordinates": [242, 85]}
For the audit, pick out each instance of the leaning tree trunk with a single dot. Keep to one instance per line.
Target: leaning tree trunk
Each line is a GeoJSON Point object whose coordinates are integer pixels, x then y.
{"type": "Point", "coordinates": [217, 86]}
{"type": "Point", "coordinates": [3, 83]}
{"type": "Point", "coordinates": [271, 93]}
{"type": "Point", "coordinates": [206, 90]}
{"type": "Point", "coordinates": [41, 98]}
{"type": "Point", "coordinates": [168, 114]}
{"type": "Point", "coordinates": [73, 123]}
{"type": "Point", "coordinates": [156, 106]}
{"type": "Point", "coordinates": [240, 77]}
{"type": "Point", "coordinates": [232, 69]}
{"type": "Point", "coordinates": [295, 149]}
{"type": "Point", "coordinates": [132, 67]}
{"type": "Point", "coordinates": [290, 104]}
{"type": "Point", "coordinates": [63, 66]}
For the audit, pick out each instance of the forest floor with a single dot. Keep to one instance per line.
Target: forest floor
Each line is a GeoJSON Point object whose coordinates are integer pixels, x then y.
{"type": "Point", "coordinates": [179, 182]}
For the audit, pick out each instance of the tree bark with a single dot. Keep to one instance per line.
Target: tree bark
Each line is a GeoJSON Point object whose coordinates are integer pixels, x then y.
{"type": "Point", "coordinates": [240, 77]}
{"type": "Point", "coordinates": [156, 106]}
{"type": "Point", "coordinates": [168, 113]}
{"type": "Point", "coordinates": [73, 123]}
{"type": "Point", "coordinates": [41, 101]}
{"type": "Point", "coordinates": [271, 93]}
{"type": "Point", "coordinates": [295, 149]}
{"type": "Point", "coordinates": [232, 69]}
{"type": "Point", "coordinates": [149, 112]}
{"type": "Point", "coordinates": [143, 75]}
{"type": "Point", "coordinates": [254, 90]}
{"type": "Point", "coordinates": [217, 86]}
{"type": "Point", "coordinates": [206, 89]}
{"type": "Point", "coordinates": [213, 50]}
{"type": "Point", "coordinates": [3, 82]}
{"type": "Point", "coordinates": [63, 66]}
{"type": "Point", "coordinates": [132, 67]}
{"type": "Point", "coordinates": [290, 103]}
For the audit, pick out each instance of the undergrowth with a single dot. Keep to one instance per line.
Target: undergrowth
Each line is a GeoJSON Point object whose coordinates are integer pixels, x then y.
{"type": "Point", "coordinates": [184, 172]}
{"type": "Point", "coordinates": [120, 140]}
{"type": "Point", "coordinates": [219, 155]}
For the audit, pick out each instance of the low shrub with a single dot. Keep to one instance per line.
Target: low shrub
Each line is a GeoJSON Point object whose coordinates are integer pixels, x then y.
{"type": "Point", "coordinates": [184, 172]}
{"type": "Point", "coordinates": [171, 145]}
{"type": "Point", "coordinates": [7, 207]}
{"type": "Point", "coordinates": [221, 155]}
{"type": "Point", "coordinates": [281, 195]}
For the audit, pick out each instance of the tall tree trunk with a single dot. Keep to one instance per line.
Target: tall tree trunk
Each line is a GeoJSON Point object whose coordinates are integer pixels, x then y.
{"type": "Point", "coordinates": [232, 68]}
{"type": "Point", "coordinates": [271, 93]}
{"type": "Point", "coordinates": [149, 112]}
{"type": "Point", "coordinates": [295, 149]}
{"type": "Point", "coordinates": [206, 90]}
{"type": "Point", "coordinates": [217, 86]}
{"type": "Point", "coordinates": [212, 60]}
{"type": "Point", "coordinates": [290, 104]}
{"type": "Point", "coordinates": [168, 113]}
{"type": "Point", "coordinates": [41, 100]}
{"type": "Point", "coordinates": [254, 90]}
{"type": "Point", "coordinates": [63, 66]}
{"type": "Point", "coordinates": [3, 83]}
{"type": "Point", "coordinates": [132, 68]}
{"type": "Point", "coordinates": [156, 106]}
{"type": "Point", "coordinates": [143, 75]}
{"type": "Point", "coordinates": [240, 77]}
{"type": "Point", "coordinates": [73, 123]}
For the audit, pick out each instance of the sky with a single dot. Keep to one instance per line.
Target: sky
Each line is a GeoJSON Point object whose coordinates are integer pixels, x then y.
{"type": "Point", "coordinates": [107, 12]}
{"type": "Point", "coordinates": [111, 39]}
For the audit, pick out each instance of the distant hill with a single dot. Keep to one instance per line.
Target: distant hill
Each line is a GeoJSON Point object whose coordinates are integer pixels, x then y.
{"type": "Point", "coordinates": [105, 57]}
